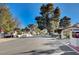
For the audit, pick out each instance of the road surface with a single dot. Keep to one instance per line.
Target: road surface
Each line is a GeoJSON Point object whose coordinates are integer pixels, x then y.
{"type": "Point", "coordinates": [35, 46]}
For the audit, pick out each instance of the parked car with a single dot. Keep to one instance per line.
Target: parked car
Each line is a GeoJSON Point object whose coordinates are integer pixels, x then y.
{"type": "Point", "coordinates": [1, 35]}
{"type": "Point", "coordinates": [7, 35]}
{"type": "Point", "coordinates": [24, 35]}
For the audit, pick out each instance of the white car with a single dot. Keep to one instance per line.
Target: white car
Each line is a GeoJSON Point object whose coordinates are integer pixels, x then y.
{"type": "Point", "coordinates": [25, 35]}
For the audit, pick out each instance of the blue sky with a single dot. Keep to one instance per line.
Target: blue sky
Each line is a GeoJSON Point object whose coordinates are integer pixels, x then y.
{"type": "Point", "coordinates": [26, 12]}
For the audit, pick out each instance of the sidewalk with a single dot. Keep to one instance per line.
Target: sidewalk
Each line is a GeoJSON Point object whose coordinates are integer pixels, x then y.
{"type": "Point", "coordinates": [6, 39]}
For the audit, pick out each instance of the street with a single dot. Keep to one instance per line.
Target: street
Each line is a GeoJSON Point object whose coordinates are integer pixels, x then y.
{"type": "Point", "coordinates": [35, 46]}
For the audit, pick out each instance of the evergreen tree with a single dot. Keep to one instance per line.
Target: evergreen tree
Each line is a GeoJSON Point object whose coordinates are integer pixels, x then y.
{"type": "Point", "coordinates": [6, 22]}
{"type": "Point", "coordinates": [61, 23]}
{"type": "Point", "coordinates": [65, 22]}
{"type": "Point", "coordinates": [41, 22]}
{"type": "Point", "coordinates": [55, 19]}
{"type": "Point", "coordinates": [49, 17]}
{"type": "Point", "coordinates": [57, 12]}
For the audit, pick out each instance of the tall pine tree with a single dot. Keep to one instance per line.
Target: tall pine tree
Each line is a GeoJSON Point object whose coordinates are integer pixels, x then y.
{"type": "Point", "coordinates": [65, 22]}
{"type": "Point", "coordinates": [49, 17]}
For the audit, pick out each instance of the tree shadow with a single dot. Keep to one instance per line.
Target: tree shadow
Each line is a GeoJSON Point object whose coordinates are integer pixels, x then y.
{"type": "Point", "coordinates": [44, 52]}
{"type": "Point", "coordinates": [65, 48]}
{"type": "Point", "coordinates": [53, 43]}
{"type": "Point", "coordinates": [48, 43]}
{"type": "Point", "coordinates": [26, 52]}
{"type": "Point", "coordinates": [37, 52]}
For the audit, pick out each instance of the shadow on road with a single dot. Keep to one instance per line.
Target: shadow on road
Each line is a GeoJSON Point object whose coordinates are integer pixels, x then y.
{"type": "Point", "coordinates": [67, 51]}
{"type": "Point", "coordinates": [48, 43]}
{"type": "Point", "coordinates": [44, 52]}
{"type": "Point", "coordinates": [65, 48]}
{"type": "Point", "coordinates": [37, 52]}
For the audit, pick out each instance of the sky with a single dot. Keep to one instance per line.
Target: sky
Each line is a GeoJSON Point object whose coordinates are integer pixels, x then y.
{"type": "Point", "coordinates": [26, 12]}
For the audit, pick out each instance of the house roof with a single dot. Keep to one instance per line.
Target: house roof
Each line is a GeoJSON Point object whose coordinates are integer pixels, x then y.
{"type": "Point", "coordinates": [75, 26]}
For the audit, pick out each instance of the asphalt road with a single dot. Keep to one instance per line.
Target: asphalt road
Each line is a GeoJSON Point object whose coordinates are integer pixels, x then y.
{"type": "Point", "coordinates": [35, 46]}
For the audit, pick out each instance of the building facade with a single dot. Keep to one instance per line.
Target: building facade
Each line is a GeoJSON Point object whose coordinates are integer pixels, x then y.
{"type": "Point", "coordinates": [71, 32]}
